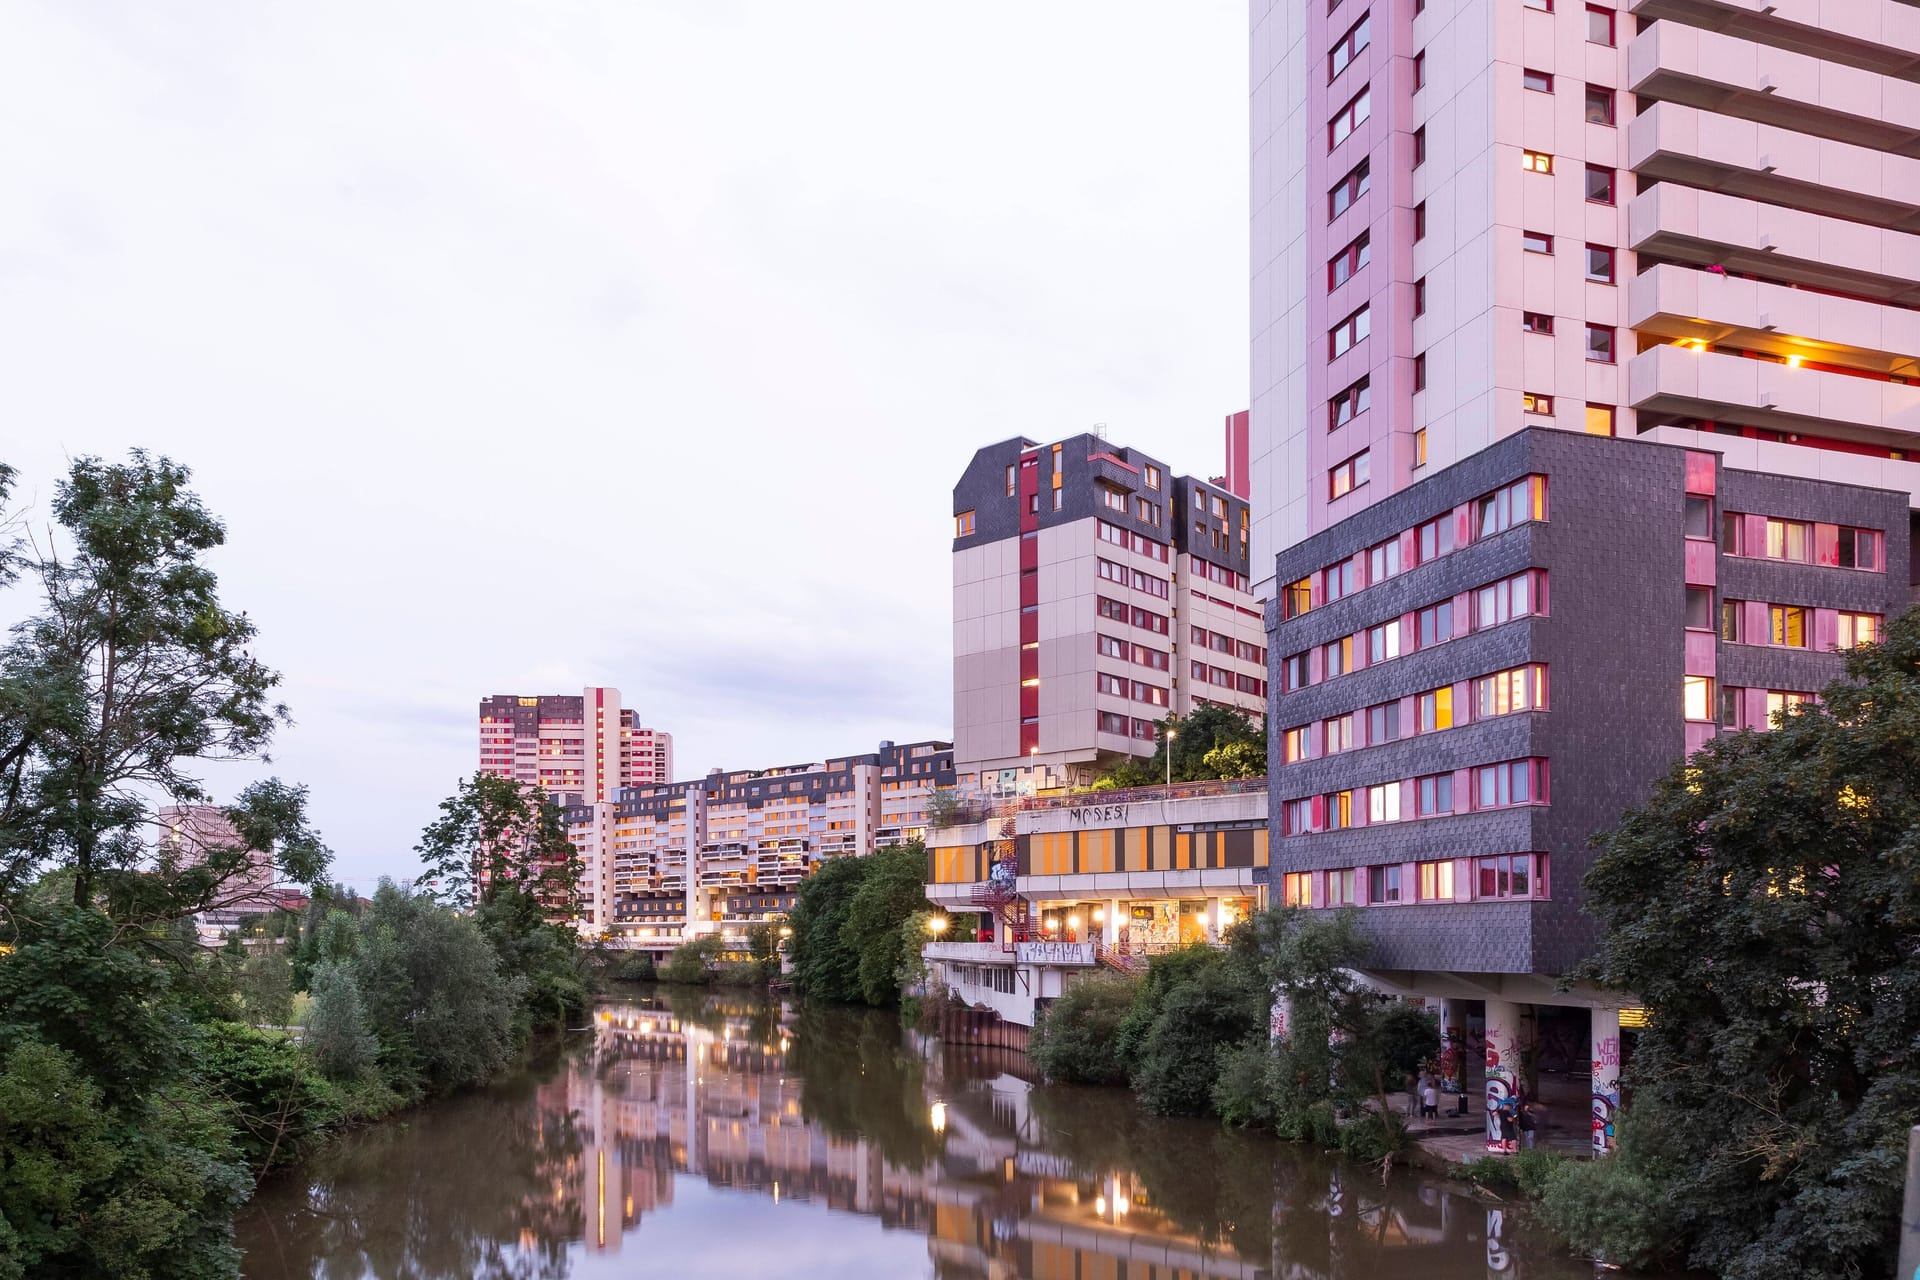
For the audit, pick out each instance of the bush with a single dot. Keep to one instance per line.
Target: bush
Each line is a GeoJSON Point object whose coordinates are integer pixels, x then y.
{"type": "Point", "coordinates": [1612, 1209]}
{"type": "Point", "coordinates": [1217, 1006]}
{"type": "Point", "coordinates": [338, 1036]}
{"type": "Point", "coordinates": [1242, 1094]}
{"type": "Point", "coordinates": [692, 963]}
{"type": "Point", "coordinates": [1372, 1136]}
{"type": "Point", "coordinates": [1075, 1042]}
{"type": "Point", "coordinates": [634, 966]}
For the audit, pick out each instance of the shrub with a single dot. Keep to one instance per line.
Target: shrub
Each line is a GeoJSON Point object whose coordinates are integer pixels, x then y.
{"type": "Point", "coordinates": [1242, 1094]}
{"type": "Point", "coordinates": [1612, 1209]}
{"type": "Point", "coordinates": [634, 966]}
{"type": "Point", "coordinates": [692, 962]}
{"type": "Point", "coordinates": [1075, 1041]}
{"type": "Point", "coordinates": [1215, 1007]}
{"type": "Point", "coordinates": [1372, 1136]}
{"type": "Point", "coordinates": [338, 1035]}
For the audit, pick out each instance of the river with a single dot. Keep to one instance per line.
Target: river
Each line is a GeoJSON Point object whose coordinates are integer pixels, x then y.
{"type": "Point", "coordinates": [696, 1135]}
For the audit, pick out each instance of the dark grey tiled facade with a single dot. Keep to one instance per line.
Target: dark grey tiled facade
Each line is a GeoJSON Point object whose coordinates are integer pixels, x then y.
{"type": "Point", "coordinates": [1614, 549]}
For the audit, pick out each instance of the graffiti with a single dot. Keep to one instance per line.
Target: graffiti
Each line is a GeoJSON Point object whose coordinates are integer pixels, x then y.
{"type": "Point", "coordinates": [1605, 1107]}
{"type": "Point", "coordinates": [1606, 1054]}
{"type": "Point", "coordinates": [1074, 953]}
{"type": "Point", "coordinates": [1498, 1259]}
{"type": "Point", "coordinates": [1098, 815]}
{"type": "Point", "coordinates": [1503, 1080]}
{"type": "Point", "coordinates": [1277, 1019]}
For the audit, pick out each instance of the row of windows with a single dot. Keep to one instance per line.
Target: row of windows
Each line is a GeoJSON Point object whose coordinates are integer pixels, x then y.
{"type": "Point", "coordinates": [1507, 875]}
{"type": "Point", "coordinates": [1127, 726]}
{"type": "Point", "coordinates": [1225, 679]}
{"type": "Point", "coordinates": [1739, 711]}
{"type": "Point", "coordinates": [1120, 611]}
{"type": "Point", "coordinates": [1134, 578]}
{"type": "Point", "coordinates": [1505, 785]}
{"type": "Point", "coordinates": [1601, 261]}
{"type": "Point", "coordinates": [1522, 501]}
{"type": "Point", "coordinates": [1138, 654]}
{"type": "Point", "coordinates": [1208, 571]}
{"type": "Point", "coordinates": [1221, 642]}
{"type": "Point", "coordinates": [1516, 689]}
{"type": "Point", "coordinates": [1138, 543]}
{"type": "Point", "coordinates": [1804, 542]}
{"type": "Point", "coordinates": [1788, 625]}
{"type": "Point", "coordinates": [1136, 690]}
{"type": "Point", "coordinates": [1520, 596]}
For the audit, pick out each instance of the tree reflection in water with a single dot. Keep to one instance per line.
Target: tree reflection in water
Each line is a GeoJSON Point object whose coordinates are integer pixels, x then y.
{"type": "Point", "coordinates": [558, 1171]}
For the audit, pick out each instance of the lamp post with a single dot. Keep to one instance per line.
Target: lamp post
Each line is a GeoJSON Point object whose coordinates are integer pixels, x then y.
{"type": "Point", "coordinates": [1171, 735]}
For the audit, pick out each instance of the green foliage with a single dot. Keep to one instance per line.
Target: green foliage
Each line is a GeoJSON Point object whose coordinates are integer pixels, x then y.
{"type": "Point", "coordinates": [268, 1088]}
{"type": "Point", "coordinates": [1527, 1172]}
{"type": "Point", "coordinates": [634, 966]}
{"type": "Point", "coordinates": [338, 1034]}
{"type": "Point", "coordinates": [1074, 1041]}
{"type": "Point", "coordinates": [494, 835]}
{"type": "Point", "coordinates": [849, 942]}
{"type": "Point", "coordinates": [1619, 1209]}
{"type": "Point", "coordinates": [1209, 743]}
{"type": "Point", "coordinates": [693, 962]}
{"type": "Point", "coordinates": [1763, 905]}
{"type": "Point", "coordinates": [1218, 1006]}
{"type": "Point", "coordinates": [1373, 1135]}
{"type": "Point", "coordinates": [544, 959]}
{"type": "Point", "coordinates": [265, 984]}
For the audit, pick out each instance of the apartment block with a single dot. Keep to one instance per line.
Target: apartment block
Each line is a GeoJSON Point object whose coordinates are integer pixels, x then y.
{"type": "Point", "coordinates": [667, 861]}
{"type": "Point", "coordinates": [1692, 220]}
{"type": "Point", "coordinates": [1095, 592]}
{"type": "Point", "coordinates": [580, 750]}
{"type": "Point", "coordinates": [187, 835]}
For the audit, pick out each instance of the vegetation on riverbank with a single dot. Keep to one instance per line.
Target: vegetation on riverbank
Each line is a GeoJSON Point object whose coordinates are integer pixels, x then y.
{"type": "Point", "coordinates": [859, 924]}
{"type": "Point", "coordinates": [146, 1081]}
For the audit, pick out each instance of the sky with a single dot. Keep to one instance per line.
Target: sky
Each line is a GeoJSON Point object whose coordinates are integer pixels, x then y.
{"type": "Point", "coordinates": [526, 346]}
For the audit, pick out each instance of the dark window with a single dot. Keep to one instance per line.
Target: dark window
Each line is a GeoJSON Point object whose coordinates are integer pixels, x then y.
{"type": "Point", "coordinates": [1600, 263]}
{"type": "Point", "coordinates": [1349, 189]}
{"type": "Point", "coordinates": [1538, 81]}
{"type": "Point", "coordinates": [1699, 516]}
{"type": "Point", "coordinates": [1599, 184]}
{"type": "Point", "coordinates": [1599, 103]}
{"type": "Point", "coordinates": [1535, 322]}
{"type": "Point", "coordinates": [1699, 609]}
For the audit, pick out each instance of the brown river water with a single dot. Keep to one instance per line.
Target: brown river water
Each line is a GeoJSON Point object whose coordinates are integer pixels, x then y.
{"type": "Point", "coordinates": [694, 1135]}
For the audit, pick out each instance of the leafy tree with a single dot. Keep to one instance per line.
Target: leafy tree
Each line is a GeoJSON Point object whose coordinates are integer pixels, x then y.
{"type": "Point", "coordinates": [1210, 742]}
{"type": "Point", "coordinates": [1215, 1005]}
{"type": "Point", "coordinates": [763, 951]}
{"type": "Point", "coordinates": [546, 959]}
{"type": "Point", "coordinates": [825, 966]}
{"type": "Point", "coordinates": [1239, 759]}
{"type": "Point", "coordinates": [1075, 1042]}
{"type": "Point", "coordinates": [1763, 905]}
{"type": "Point", "coordinates": [265, 1085]}
{"type": "Point", "coordinates": [892, 890]}
{"type": "Point", "coordinates": [694, 960]}
{"type": "Point", "coordinates": [493, 833]}
{"type": "Point", "coordinates": [129, 673]}
{"type": "Point", "coordinates": [266, 986]}
{"type": "Point", "coordinates": [338, 1035]}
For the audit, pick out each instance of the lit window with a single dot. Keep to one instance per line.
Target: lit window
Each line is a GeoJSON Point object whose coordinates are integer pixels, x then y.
{"type": "Point", "coordinates": [1012, 486]}
{"type": "Point", "coordinates": [1383, 642]}
{"type": "Point", "coordinates": [1599, 420]}
{"type": "Point", "coordinates": [1787, 626]}
{"type": "Point", "coordinates": [1599, 103]}
{"type": "Point", "coordinates": [1436, 881]}
{"type": "Point", "coordinates": [1534, 402]}
{"type": "Point", "coordinates": [1348, 476]}
{"type": "Point", "coordinates": [1435, 710]}
{"type": "Point", "coordinates": [1779, 703]}
{"type": "Point", "coordinates": [1293, 745]}
{"type": "Point", "coordinates": [1383, 803]}
{"type": "Point", "coordinates": [1788, 540]}
{"type": "Point", "coordinates": [1420, 447]}
{"type": "Point", "coordinates": [1857, 629]}
{"type": "Point", "coordinates": [1507, 692]}
{"type": "Point", "coordinates": [1298, 597]}
{"type": "Point", "coordinates": [1297, 889]}
{"type": "Point", "coordinates": [1536, 162]}
{"type": "Point", "coordinates": [963, 525]}
{"type": "Point", "coordinates": [1697, 697]}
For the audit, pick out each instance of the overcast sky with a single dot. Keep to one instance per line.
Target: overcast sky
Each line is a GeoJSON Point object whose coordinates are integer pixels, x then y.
{"type": "Point", "coordinates": [526, 346]}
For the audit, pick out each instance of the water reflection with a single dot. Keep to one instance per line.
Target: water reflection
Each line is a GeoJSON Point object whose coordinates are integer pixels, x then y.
{"type": "Point", "coordinates": [700, 1135]}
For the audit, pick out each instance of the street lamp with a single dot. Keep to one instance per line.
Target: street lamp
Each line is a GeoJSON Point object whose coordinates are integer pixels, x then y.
{"type": "Point", "coordinates": [1171, 735]}
{"type": "Point", "coordinates": [937, 925]}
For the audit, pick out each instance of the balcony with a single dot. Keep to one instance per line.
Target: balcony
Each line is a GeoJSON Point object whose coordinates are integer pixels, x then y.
{"type": "Point", "coordinates": [1875, 35]}
{"type": "Point", "coordinates": [1739, 78]}
{"type": "Point", "coordinates": [1677, 382]}
{"type": "Point", "coordinates": [1704, 306]}
{"type": "Point", "coordinates": [1707, 228]}
{"type": "Point", "coordinates": [1673, 142]}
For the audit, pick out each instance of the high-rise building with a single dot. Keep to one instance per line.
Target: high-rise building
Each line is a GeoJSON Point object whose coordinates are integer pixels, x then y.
{"type": "Point", "coordinates": [188, 835]}
{"type": "Point", "coordinates": [1581, 421]}
{"type": "Point", "coordinates": [580, 750]}
{"type": "Point", "coordinates": [666, 861]}
{"type": "Point", "coordinates": [1691, 221]}
{"type": "Point", "coordinates": [1095, 592]}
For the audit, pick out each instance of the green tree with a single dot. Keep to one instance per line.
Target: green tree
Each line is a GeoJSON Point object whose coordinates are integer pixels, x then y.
{"type": "Point", "coordinates": [493, 833]}
{"type": "Point", "coordinates": [693, 961]}
{"type": "Point", "coordinates": [338, 1035]}
{"type": "Point", "coordinates": [1076, 1040]}
{"type": "Point", "coordinates": [129, 672]}
{"type": "Point", "coordinates": [825, 965]}
{"type": "Point", "coordinates": [1210, 742]}
{"type": "Point", "coordinates": [266, 986]}
{"type": "Point", "coordinates": [1763, 906]}
{"type": "Point", "coordinates": [1209, 1004]}
{"type": "Point", "coordinates": [892, 890]}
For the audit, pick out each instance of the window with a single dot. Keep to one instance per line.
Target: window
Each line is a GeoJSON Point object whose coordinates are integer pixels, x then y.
{"type": "Point", "coordinates": [1343, 337]}
{"type": "Point", "coordinates": [1536, 162]}
{"type": "Point", "coordinates": [1293, 745]}
{"type": "Point", "coordinates": [1419, 146]}
{"type": "Point", "coordinates": [1434, 710]}
{"type": "Point", "coordinates": [1349, 260]}
{"type": "Point", "coordinates": [1434, 538]}
{"type": "Point", "coordinates": [1699, 516]}
{"type": "Point", "coordinates": [1420, 372]}
{"type": "Point", "coordinates": [1348, 476]}
{"type": "Point", "coordinates": [1732, 701]}
{"type": "Point", "coordinates": [1732, 625]}
{"type": "Point", "coordinates": [1342, 888]}
{"type": "Point", "coordinates": [1536, 242]}
{"type": "Point", "coordinates": [1535, 322]}
{"type": "Point", "coordinates": [1420, 222]}
{"type": "Point", "coordinates": [1436, 881]}
{"type": "Point", "coordinates": [1534, 402]}
{"type": "Point", "coordinates": [1296, 889]}
{"type": "Point", "coordinates": [1732, 529]}
{"type": "Point", "coordinates": [1433, 625]}
{"type": "Point", "coordinates": [1507, 692]}
{"type": "Point", "coordinates": [1293, 672]}
{"type": "Point", "coordinates": [1349, 118]}
{"type": "Point", "coordinates": [1012, 484]}
{"type": "Point", "coordinates": [1339, 810]}
{"type": "Point", "coordinates": [1383, 560]}
{"type": "Point", "coordinates": [1149, 621]}
{"type": "Point", "coordinates": [1149, 693]}
{"type": "Point", "coordinates": [1521, 596]}
{"type": "Point", "coordinates": [1600, 343]}
{"type": "Point", "coordinates": [1356, 39]}
{"type": "Point", "coordinates": [1383, 883]}
{"type": "Point", "coordinates": [1349, 404]}
{"type": "Point", "coordinates": [1599, 25]}
{"type": "Point", "coordinates": [1599, 103]}
{"type": "Point", "coordinates": [1420, 447]}
{"type": "Point", "coordinates": [1787, 625]}
{"type": "Point", "coordinates": [1111, 647]}
{"type": "Point", "coordinates": [1497, 786]}
{"type": "Point", "coordinates": [1383, 723]}
{"type": "Point", "coordinates": [1419, 71]}
{"type": "Point", "coordinates": [1296, 816]}
{"type": "Point", "coordinates": [1145, 657]}
{"type": "Point", "coordinates": [1433, 794]}
{"type": "Point", "coordinates": [1857, 629]}
{"type": "Point", "coordinates": [1347, 190]}
{"type": "Point", "coordinates": [1600, 263]}
{"type": "Point", "coordinates": [1153, 476]}
{"type": "Point", "coordinates": [1148, 583]}
{"type": "Point", "coordinates": [1788, 540]}
{"type": "Point", "coordinates": [1538, 81]}
{"type": "Point", "coordinates": [1383, 803]}
{"type": "Point", "coordinates": [1696, 697]}
{"type": "Point", "coordinates": [1517, 503]}
{"type": "Point", "coordinates": [1247, 651]}
{"type": "Point", "coordinates": [1858, 549]}
{"type": "Point", "coordinates": [1113, 609]}
{"type": "Point", "coordinates": [1780, 703]}
{"type": "Point", "coordinates": [1599, 184]}
{"type": "Point", "coordinates": [1112, 499]}
{"type": "Point", "coordinates": [1113, 722]}
{"type": "Point", "coordinates": [1109, 684]}
{"type": "Point", "coordinates": [1383, 643]}
{"type": "Point", "coordinates": [1146, 512]}
{"type": "Point", "coordinates": [1699, 609]}
{"type": "Point", "coordinates": [1507, 876]}
{"type": "Point", "coordinates": [1544, 6]}
{"type": "Point", "coordinates": [1599, 421]}
{"type": "Point", "coordinates": [963, 525]}
{"type": "Point", "coordinates": [1420, 296]}
{"type": "Point", "coordinates": [1338, 657]}
{"type": "Point", "coordinates": [1297, 597]}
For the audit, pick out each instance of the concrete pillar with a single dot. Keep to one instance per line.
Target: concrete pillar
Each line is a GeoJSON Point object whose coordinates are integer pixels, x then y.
{"type": "Point", "coordinates": [1280, 1020]}
{"type": "Point", "coordinates": [1606, 1077]}
{"type": "Point", "coordinates": [1453, 1045]}
{"type": "Point", "coordinates": [1110, 927]}
{"type": "Point", "coordinates": [1213, 919]}
{"type": "Point", "coordinates": [1503, 1062]}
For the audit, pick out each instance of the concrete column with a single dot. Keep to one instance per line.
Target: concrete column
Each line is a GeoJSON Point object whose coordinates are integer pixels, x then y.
{"type": "Point", "coordinates": [1213, 919]}
{"type": "Point", "coordinates": [1280, 1020]}
{"type": "Point", "coordinates": [1503, 1062]}
{"type": "Point", "coordinates": [1606, 1077]}
{"type": "Point", "coordinates": [1110, 927]}
{"type": "Point", "coordinates": [1453, 1044]}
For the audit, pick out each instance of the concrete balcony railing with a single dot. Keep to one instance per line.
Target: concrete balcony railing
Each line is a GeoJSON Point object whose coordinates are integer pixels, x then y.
{"type": "Point", "coordinates": [1704, 306]}
{"type": "Point", "coordinates": [1673, 142]}
{"type": "Point", "coordinates": [1677, 381]}
{"type": "Point", "coordinates": [1736, 77]}
{"type": "Point", "coordinates": [1710, 228]}
{"type": "Point", "coordinates": [1877, 35]}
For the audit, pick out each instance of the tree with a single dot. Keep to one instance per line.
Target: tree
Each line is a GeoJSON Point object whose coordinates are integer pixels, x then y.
{"type": "Point", "coordinates": [129, 673]}
{"type": "Point", "coordinates": [693, 961]}
{"type": "Point", "coordinates": [892, 889]}
{"type": "Point", "coordinates": [1209, 742]}
{"type": "Point", "coordinates": [338, 1037]}
{"type": "Point", "coordinates": [1763, 906]}
{"type": "Point", "coordinates": [825, 966]}
{"type": "Point", "coordinates": [494, 832]}
{"type": "Point", "coordinates": [1075, 1040]}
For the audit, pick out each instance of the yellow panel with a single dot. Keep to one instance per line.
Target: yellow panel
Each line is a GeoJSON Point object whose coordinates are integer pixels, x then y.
{"type": "Point", "coordinates": [1162, 855]}
{"type": "Point", "coordinates": [1260, 847]}
{"type": "Point", "coordinates": [1183, 852]}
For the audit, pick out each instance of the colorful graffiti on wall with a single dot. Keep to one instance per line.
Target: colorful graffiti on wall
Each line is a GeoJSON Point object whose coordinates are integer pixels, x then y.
{"type": "Point", "coordinates": [1503, 1076]}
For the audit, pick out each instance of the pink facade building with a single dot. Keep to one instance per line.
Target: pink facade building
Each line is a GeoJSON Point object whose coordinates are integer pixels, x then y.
{"type": "Point", "coordinates": [579, 749]}
{"type": "Point", "coordinates": [1696, 221]}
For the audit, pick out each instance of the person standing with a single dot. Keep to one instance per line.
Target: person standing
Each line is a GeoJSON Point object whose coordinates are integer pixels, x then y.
{"type": "Point", "coordinates": [1430, 1100]}
{"type": "Point", "coordinates": [1509, 1124]}
{"type": "Point", "coordinates": [1528, 1122]}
